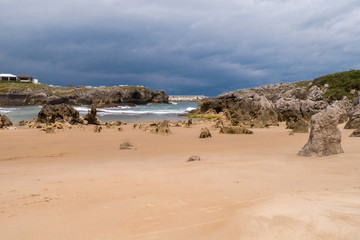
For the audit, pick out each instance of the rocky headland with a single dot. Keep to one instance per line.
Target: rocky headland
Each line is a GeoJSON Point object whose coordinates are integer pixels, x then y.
{"type": "Point", "coordinates": [20, 94]}
{"type": "Point", "coordinates": [295, 103]}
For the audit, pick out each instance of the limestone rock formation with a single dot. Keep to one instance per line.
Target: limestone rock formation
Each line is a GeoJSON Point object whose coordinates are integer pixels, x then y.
{"type": "Point", "coordinates": [235, 130]}
{"type": "Point", "coordinates": [59, 113]}
{"type": "Point", "coordinates": [158, 127]}
{"type": "Point", "coordinates": [325, 136]}
{"type": "Point", "coordinates": [205, 133]}
{"type": "Point", "coordinates": [266, 105]}
{"type": "Point", "coordinates": [163, 128]}
{"type": "Point", "coordinates": [354, 121]}
{"type": "Point", "coordinates": [91, 117]}
{"type": "Point", "coordinates": [5, 122]}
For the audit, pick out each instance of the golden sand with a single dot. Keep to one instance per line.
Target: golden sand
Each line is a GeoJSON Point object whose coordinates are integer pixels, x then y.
{"type": "Point", "coordinates": [78, 184]}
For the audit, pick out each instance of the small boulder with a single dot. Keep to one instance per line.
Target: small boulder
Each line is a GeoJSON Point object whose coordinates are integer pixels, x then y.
{"type": "Point", "coordinates": [235, 130]}
{"type": "Point", "coordinates": [325, 136]}
{"type": "Point", "coordinates": [97, 129]}
{"type": "Point", "coordinates": [354, 121]}
{"type": "Point", "coordinates": [205, 133]}
{"type": "Point", "coordinates": [126, 146]}
{"type": "Point", "coordinates": [5, 122]}
{"type": "Point", "coordinates": [120, 129]}
{"type": "Point", "coordinates": [194, 158]}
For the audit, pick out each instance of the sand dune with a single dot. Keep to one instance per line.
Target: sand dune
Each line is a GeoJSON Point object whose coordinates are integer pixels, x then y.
{"type": "Point", "coordinates": [77, 184]}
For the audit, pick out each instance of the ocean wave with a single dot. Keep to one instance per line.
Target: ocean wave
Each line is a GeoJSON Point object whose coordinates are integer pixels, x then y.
{"type": "Point", "coordinates": [104, 112]}
{"type": "Point", "coordinates": [190, 109]}
{"type": "Point", "coordinates": [8, 110]}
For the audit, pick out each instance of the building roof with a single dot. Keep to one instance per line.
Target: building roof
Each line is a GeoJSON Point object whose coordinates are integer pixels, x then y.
{"type": "Point", "coordinates": [7, 75]}
{"type": "Point", "coordinates": [24, 76]}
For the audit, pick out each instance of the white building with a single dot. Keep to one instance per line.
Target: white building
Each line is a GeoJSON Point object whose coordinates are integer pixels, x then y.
{"type": "Point", "coordinates": [21, 78]}
{"type": "Point", "coordinates": [8, 77]}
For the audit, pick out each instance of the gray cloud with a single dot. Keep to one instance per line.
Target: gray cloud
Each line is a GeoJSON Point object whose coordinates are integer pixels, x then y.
{"type": "Point", "coordinates": [198, 46]}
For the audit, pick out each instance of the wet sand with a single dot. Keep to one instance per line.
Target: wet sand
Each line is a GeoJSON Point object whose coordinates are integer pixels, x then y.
{"type": "Point", "coordinates": [77, 184]}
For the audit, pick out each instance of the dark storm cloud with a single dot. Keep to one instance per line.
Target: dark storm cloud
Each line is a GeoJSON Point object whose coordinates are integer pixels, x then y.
{"type": "Point", "coordinates": [180, 46]}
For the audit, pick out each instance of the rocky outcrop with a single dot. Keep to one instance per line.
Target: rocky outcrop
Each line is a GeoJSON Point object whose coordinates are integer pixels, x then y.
{"type": "Point", "coordinates": [59, 113]}
{"type": "Point", "coordinates": [121, 95]}
{"type": "Point", "coordinates": [5, 122]}
{"type": "Point", "coordinates": [267, 105]}
{"type": "Point", "coordinates": [205, 133]}
{"type": "Point", "coordinates": [158, 127]}
{"type": "Point", "coordinates": [325, 136]}
{"type": "Point", "coordinates": [235, 130]}
{"type": "Point", "coordinates": [91, 117]}
{"type": "Point", "coordinates": [354, 121]}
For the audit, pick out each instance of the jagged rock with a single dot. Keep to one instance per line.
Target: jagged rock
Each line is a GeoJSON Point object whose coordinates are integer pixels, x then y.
{"type": "Point", "coordinates": [266, 105]}
{"type": "Point", "coordinates": [164, 128]}
{"type": "Point", "coordinates": [354, 121]}
{"type": "Point", "coordinates": [356, 98]}
{"type": "Point", "coordinates": [189, 123]}
{"type": "Point", "coordinates": [91, 116]}
{"type": "Point", "coordinates": [205, 133]}
{"type": "Point", "coordinates": [355, 133]}
{"type": "Point", "coordinates": [242, 107]}
{"type": "Point", "coordinates": [59, 113]}
{"type": "Point", "coordinates": [301, 126]}
{"type": "Point", "coordinates": [235, 130]}
{"type": "Point", "coordinates": [194, 158]}
{"type": "Point", "coordinates": [5, 122]}
{"type": "Point", "coordinates": [325, 136]}
{"type": "Point", "coordinates": [97, 129]}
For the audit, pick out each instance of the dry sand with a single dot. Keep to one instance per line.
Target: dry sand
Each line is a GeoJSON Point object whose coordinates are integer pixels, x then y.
{"type": "Point", "coordinates": [77, 184]}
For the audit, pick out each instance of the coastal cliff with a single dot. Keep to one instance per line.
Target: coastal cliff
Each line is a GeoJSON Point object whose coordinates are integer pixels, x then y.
{"type": "Point", "coordinates": [19, 94]}
{"type": "Point", "coordinates": [291, 102]}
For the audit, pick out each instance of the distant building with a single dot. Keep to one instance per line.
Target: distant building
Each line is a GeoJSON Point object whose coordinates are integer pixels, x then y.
{"type": "Point", "coordinates": [8, 77]}
{"type": "Point", "coordinates": [20, 78]}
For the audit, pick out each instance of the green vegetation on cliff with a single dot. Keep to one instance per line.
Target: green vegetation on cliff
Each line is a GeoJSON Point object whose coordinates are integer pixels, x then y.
{"type": "Point", "coordinates": [340, 84]}
{"type": "Point", "coordinates": [16, 87]}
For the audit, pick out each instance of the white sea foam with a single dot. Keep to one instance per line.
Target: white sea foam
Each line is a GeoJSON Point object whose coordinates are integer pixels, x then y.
{"type": "Point", "coordinates": [190, 109]}
{"type": "Point", "coordinates": [8, 110]}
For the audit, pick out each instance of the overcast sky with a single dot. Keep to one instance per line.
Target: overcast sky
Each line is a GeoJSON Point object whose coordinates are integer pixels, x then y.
{"type": "Point", "coordinates": [183, 47]}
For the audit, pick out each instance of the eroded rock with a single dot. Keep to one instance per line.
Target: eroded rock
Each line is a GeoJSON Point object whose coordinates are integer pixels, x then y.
{"type": "Point", "coordinates": [205, 133]}
{"type": "Point", "coordinates": [325, 136]}
{"type": "Point", "coordinates": [235, 130]}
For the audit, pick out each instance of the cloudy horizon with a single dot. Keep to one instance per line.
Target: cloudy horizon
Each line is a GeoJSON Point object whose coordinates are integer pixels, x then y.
{"type": "Point", "coordinates": [183, 47]}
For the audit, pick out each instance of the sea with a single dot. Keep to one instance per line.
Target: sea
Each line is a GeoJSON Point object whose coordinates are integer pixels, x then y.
{"type": "Point", "coordinates": [138, 113]}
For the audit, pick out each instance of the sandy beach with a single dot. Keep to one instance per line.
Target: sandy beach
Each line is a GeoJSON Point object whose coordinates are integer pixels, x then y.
{"type": "Point", "coordinates": [77, 184]}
